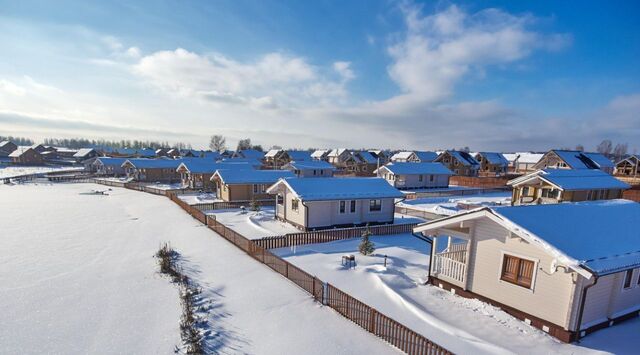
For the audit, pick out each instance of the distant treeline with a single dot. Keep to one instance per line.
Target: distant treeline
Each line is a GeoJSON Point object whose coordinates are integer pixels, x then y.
{"type": "Point", "coordinates": [76, 143]}
{"type": "Point", "coordinates": [17, 140]}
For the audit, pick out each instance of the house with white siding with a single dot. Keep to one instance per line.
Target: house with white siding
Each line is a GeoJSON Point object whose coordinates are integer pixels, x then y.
{"type": "Point", "coordinates": [415, 175]}
{"type": "Point", "coordinates": [568, 269]}
{"type": "Point", "coordinates": [105, 166]}
{"type": "Point", "coordinates": [313, 168]}
{"type": "Point", "coordinates": [319, 203]}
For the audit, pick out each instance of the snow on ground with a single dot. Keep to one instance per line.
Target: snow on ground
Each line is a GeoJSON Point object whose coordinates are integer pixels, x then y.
{"type": "Point", "coordinates": [452, 205]}
{"type": "Point", "coordinates": [451, 188]}
{"type": "Point", "coordinates": [203, 197]}
{"type": "Point", "coordinates": [81, 278]}
{"type": "Point", "coordinates": [465, 326]}
{"type": "Point", "coordinates": [115, 179]}
{"type": "Point", "coordinates": [11, 171]}
{"type": "Point", "coordinates": [253, 225]}
{"type": "Point", "coordinates": [256, 225]}
{"type": "Point", "coordinates": [164, 186]}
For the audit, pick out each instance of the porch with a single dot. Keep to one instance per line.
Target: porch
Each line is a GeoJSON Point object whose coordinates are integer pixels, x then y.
{"type": "Point", "coordinates": [450, 264]}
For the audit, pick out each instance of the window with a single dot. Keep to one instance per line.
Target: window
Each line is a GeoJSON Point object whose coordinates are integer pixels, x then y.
{"type": "Point", "coordinates": [255, 188]}
{"type": "Point", "coordinates": [431, 178]}
{"type": "Point", "coordinates": [321, 172]}
{"type": "Point", "coordinates": [420, 178]}
{"type": "Point", "coordinates": [294, 204]}
{"type": "Point", "coordinates": [314, 171]}
{"type": "Point", "coordinates": [517, 271]}
{"type": "Point", "coordinates": [375, 205]}
{"type": "Point", "coordinates": [352, 208]}
{"type": "Point", "coordinates": [279, 199]}
{"type": "Point", "coordinates": [638, 277]}
{"type": "Point", "coordinates": [627, 279]}
{"type": "Point", "coordinates": [343, 206]}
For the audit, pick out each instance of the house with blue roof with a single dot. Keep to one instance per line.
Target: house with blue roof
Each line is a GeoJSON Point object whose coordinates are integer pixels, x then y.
{"type": "Point", "coordinates": [106, 166]}
{"type": "Point", "coordinates": [573, 159]}
{"type": "Point", "coordinates": [565, 185]}
{"type": "Point", "coordinates": [568, 269]}
{"type": "Point", "coordinates": [152, 170]}
{"type": "Point", "coordinates": [492, 163]}
{"type": "Point", "coordinates": [459, 162]}
{"type": "Point", "coordinates": [414, 156]}
{"type": "Point", "coordinates": [248, 154]}
{"type": "Point", "coordinates": [196, 173]}
{"type": "Point", "coordinates": [415, 175]}
{"type": "Point", "coordinates": [310, 168]}
{"type": "Point", "coordinates": [233, 184]}
{"type": "Point", "coordinates": [320, 203]}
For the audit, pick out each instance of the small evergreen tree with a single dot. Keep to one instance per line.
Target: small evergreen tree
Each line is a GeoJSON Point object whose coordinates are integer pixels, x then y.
{"type": "Point", "coordinates": [366, 246]}
{"type": "Point", "coordinates": [255, 206]}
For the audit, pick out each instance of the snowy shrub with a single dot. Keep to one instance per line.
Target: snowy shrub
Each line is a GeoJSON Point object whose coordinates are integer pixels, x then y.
{"type": "Point", "coordinates": [366, 246]}
{"type": "Point", "coordinates": [255, 206]}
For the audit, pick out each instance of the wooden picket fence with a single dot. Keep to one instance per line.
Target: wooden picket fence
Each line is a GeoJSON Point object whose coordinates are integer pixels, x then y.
{"type": "Point", "coordinates": [367, 317]}
{"type": "Point", "coordinates": [221, 205]}
{"type": "Point", "coordinates": [330, 235]}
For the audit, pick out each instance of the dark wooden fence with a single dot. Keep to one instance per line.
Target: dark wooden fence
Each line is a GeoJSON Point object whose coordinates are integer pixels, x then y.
{"type": "Point", "coordinates": [221, 205]}
{"type": "Point", "coordinates": [330, 235]}
{"type": "Point", "coordinates": [412, 195]}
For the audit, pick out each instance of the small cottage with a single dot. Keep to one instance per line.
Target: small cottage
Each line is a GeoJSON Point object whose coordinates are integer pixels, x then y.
{"type": "Point", "coordinates": [84, 154]}
{"type": "Point", "coordinates": [26, 155]}
{"type": "Point", "coordinates": [561, 185]}
{"type": "Point", "coordinates": [152, 170]}
{"type": "Point", "coordinates": [492, 164]}
{"type": "Point", "coordinates": [629, 167]}
{"type": "Point", "coordinates": [414, 157]}
{"type": "Point", "coordinates": [318, 203]}
{"type": "Point", "coordinates": [568, 269]}
{"type": "Point", "coordinates": [415, 175]}
{"type": "Point", "coordinates": [320, 154]}
{"type": "Point", "coordinates": [572, 159]}
{"type": "Point", "coordinates": [105, 166]}
{"type": "Point", "coordinates": [196, 173]}
{"type": "Point", "coordinates": [246, 184]}
{"type": "Point", "coordinates": [460, 163]}
{"type": "Point", "coordinates": [6, 147]}
{"type": "Point", "coordinates": [313, 168]}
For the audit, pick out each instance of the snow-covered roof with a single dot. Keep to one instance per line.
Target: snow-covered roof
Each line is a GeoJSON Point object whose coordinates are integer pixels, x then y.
{"type": "Point", "coordinates": [3, 143]}
{"type": "Point", "coordinates": [272, 153]}
{"type": "Point", "coordinates": [251, 176]}
{"type": "Point", "coordinates": [299, 155]}
{"type": "Point", "coordinates": [399, 168]}
{"type": "Point", "coordinates": [523, 157]}
{"type": "Point", "coordinates": [154, 163]}
{"type": "Point", "coordinates": [494, 158]}
{"type": "Point", "coordinates": [83, 152]}
{"type": "Point", "coordinates": [19, 151]}
{"type": "Point", "coordinates": [311, 165]}
{"type": "Point", "coordinates": [204, 165]}
{"type": "Point", "coordinates": [106, 161]}
{"type": "Point", "coordinates": [319, 153]}
{"type": "Point", "coordinates": [579, 235]}
{"type": "Point", "coordinates": [572, 180]}
{"type": "Point", "coordinates": [336, 152]}
{"type": "Point", "coordinates": [401, 155]}
{"type": "Point", "coordinates": [328, 189]}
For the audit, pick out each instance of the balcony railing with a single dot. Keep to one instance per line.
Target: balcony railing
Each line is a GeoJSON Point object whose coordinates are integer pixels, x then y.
{"type": "Point", "coordinates": [452, 263]}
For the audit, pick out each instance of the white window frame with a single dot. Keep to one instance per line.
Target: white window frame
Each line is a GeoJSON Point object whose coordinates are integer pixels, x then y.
{"type": "Point", "coordinates": [631, 283]}
{"type": "Point", "coordinates": [342, 203]}
{"type": "Point", "coordinates": [375, 199]}
{"type": "Point", "coordinates": [533, 277]}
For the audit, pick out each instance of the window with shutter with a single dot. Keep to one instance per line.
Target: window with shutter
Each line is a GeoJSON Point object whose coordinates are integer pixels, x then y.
{"type": "Point", "coordinates": [517, 271]}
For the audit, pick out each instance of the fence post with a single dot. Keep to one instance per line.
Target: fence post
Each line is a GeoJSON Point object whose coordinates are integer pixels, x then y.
{"type": "Point", "coordinates": [325, 294]}
{"type": "Point", "coordinates": [372, 321]}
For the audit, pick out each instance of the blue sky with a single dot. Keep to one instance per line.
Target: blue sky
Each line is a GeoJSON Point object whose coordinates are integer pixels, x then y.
{"type": "Point", "coordinates": [491, 75]}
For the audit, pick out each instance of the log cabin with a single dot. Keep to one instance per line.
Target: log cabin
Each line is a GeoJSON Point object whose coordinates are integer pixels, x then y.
{"type": "Point", "coordinates": [233, 185]}
{"type": "Point", "coordinates": [460, 163]}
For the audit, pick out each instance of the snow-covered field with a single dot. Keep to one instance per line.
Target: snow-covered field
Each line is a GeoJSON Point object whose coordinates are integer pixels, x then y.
{"type": "Point", "coordinates": [462, 325]}
{"type": "Point", "coordinates": [11, 171]}
{"type": "Point", "coordinates": [195, 198]}
{"type": "Point", "coordinates": [77, 276]}
{"type": "Point", "coordinates": [451, 205]}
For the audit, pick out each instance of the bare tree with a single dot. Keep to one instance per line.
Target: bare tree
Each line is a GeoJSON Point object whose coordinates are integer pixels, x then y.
{"type": "Point", "coordinates": [218, 143]}
{"type": "Point", "coordinates": [244, 144]}
{"type": "Point", "coordinates": [580, 148]}
{"type": "Point", "coordinates": [605, 147]}
{"type": "Point", "coordinates": [620, 151]}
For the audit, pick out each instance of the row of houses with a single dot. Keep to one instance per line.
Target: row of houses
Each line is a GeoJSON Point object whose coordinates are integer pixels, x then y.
{"type": "Point", "coordinates": [39, 154]}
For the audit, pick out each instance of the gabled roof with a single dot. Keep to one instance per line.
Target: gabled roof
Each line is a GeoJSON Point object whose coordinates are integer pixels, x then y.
{"type": "Point", "coordinates": [600, 160]}
{"type": "Point", "coordinates": [318, 154]}
{"type": "Point", "coordinates": [311, 165]}
{"type": "Point", "coordinates": [299, 155]}
{"type": "Point", "coordinates": [208, 166]}
{"type": "Point", "coordinates": [464, 158]}
{"type": "Point", "coordinates": [632, 159]}
{"type": "Point", "coordinates": [83, 152]}
{"type": "Point", "coordinates": [572, 180]}
{"type": "Point", "coordinates": [253, 162]}
{"type": "Point", "coordinates": [106, 161]}
{"type": "Point", "coordinates": [154, 163]}
{"type": "Point", "coordinates": [272, 153]}
{"type": "Point", "coordinates": [494, 158]}
{"type": "Point", "coordinates": [426, 157]}
{"type": "Point", "coordinates": [19, 151]}
{"type": "Point", "coordinates": [581, 160]}
{"type": "Point", "coordinates": [336, 152]}
{"type": "Point", "coordinates": [366, 157]}
{"type": "Point", "coordinates": [416, 169]}
{"type": "Point", "coordinates": [146, 152]}
{"type": "Point", "coordinates": [250, 176]}
{"type": "Point", "coordinates": [250, 154]}
{"type": "Point", "coordinates": [402, 155]}
{"type": "Point", "coordinates": [579, 235]}
{"type": "Point", "coordinates": [524, 157]}
{"type": "Point", "coordinates": [329, 189]}
{"type": "Point", "coordinates": [3, 143]}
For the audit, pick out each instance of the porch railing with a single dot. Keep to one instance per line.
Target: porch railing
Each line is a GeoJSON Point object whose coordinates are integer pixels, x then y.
{"type": "Point", "coordinates": [446, 265]}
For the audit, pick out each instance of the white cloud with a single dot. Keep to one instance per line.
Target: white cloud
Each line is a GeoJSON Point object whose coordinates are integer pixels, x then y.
{"type": "Point", "coordinates": [344, 70]}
